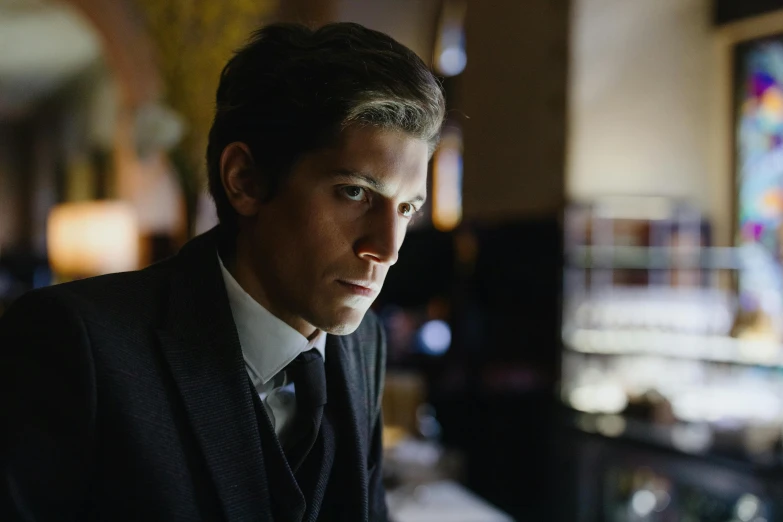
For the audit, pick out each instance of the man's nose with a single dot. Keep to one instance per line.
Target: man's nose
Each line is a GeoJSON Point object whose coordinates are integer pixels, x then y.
{"type": "Point", "coordinates": [383, 237]}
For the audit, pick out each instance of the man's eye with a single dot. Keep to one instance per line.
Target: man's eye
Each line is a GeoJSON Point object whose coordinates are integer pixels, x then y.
{"type": "Point", "coordinates": [407, 210]}
{"type": "Point", "coordinates": [355, 193]}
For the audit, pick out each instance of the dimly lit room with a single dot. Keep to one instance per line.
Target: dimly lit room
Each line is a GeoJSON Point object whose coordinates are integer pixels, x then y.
{"type": "Point", "coordinates": [579, 204]}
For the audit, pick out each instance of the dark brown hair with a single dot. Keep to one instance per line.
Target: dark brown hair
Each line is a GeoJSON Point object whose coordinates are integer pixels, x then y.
{"type": "Point", "coordinates": [291, 89]}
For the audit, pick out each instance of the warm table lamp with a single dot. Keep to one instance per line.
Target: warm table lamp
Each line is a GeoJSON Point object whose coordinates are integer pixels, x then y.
{"type": "Point", "coordinates": [92, 238]}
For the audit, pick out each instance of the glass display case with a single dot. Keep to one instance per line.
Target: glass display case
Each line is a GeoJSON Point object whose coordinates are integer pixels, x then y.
{"type": "Point", "coordinates": [666, 371]}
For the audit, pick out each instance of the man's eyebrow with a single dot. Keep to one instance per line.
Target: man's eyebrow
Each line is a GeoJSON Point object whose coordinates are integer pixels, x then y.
{"type": "Point", "coordinates": [361, 176]}
{"type": "Point", "coordinates": [377, 185]}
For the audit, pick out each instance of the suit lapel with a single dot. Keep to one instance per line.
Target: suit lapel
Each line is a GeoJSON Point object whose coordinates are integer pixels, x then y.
{"type": "Point", "coordinates": [346, 381]}
{"type": "Point", "coordinates": [200, 344]}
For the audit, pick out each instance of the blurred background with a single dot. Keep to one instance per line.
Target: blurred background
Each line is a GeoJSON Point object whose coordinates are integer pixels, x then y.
{"type": "Point", "coordinates": [586, 326]}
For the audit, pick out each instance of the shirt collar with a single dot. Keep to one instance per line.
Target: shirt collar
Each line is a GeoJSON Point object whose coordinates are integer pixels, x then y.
{"type": "Point", "coordinates": [268, 343]}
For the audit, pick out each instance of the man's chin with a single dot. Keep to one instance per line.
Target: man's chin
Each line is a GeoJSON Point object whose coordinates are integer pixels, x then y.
{"type": "Point", "coordinates": [342, 322]}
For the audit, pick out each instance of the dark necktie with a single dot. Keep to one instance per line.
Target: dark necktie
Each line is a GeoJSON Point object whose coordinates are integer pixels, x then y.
{"type": "Point", "coordinates": [309, 377]}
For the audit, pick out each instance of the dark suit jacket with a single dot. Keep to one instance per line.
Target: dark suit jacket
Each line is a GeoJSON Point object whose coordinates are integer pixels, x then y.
{"type": "Point", "coordinates": [125, 397]}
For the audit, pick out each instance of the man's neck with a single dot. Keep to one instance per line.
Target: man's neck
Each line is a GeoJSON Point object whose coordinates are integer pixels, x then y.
{"type": "Point", "coordinates": [239, 265]}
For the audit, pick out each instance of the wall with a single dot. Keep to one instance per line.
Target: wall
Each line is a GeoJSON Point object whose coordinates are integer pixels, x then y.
{"type": "Point", "coordinates": [511, 104]}
{"type": "Point", "coordinates": [639, 108]}
{"type": "Point", "coordinates": [411, 22]}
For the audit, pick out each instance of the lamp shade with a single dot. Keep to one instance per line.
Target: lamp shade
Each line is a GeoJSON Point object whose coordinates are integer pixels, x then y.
{"type": "Point", "coordinates": [93, 238]}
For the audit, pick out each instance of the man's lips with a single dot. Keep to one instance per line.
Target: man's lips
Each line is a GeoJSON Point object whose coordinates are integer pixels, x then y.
{"type": "Point", "coordinates": [363, 288]}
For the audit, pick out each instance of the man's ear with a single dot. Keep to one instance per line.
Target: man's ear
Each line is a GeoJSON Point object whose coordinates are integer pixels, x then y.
{"type": "Point", "coordinates": [241, 179]}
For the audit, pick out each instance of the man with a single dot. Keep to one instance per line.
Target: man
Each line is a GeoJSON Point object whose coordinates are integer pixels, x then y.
{"type": "Point", "coordinates": [241, 379]}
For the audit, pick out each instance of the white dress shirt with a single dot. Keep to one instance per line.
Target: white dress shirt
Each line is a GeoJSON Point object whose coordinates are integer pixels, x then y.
{"type": "Point", "coordinates": [268, 346]}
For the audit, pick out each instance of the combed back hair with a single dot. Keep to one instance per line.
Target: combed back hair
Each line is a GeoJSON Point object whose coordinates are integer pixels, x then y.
{"type": "Point", "coordinates": [291, 90]}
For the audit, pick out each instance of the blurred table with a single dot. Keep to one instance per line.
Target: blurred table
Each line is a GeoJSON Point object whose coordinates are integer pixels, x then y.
{"type": "Point", "coordinates": [445, 501]}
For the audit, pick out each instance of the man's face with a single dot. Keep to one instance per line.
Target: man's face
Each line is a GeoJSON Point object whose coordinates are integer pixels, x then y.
{"type": "Point", "coordinates": [321, 248]}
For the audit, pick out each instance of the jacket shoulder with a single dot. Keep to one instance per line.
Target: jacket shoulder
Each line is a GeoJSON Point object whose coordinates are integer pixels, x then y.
{"type": "Point", "coordinates": [136, 291]}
